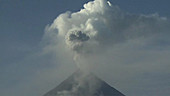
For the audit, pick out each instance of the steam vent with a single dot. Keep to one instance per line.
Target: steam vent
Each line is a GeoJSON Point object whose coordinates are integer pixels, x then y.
{"type": "Point", "coordinates": [83, 84]}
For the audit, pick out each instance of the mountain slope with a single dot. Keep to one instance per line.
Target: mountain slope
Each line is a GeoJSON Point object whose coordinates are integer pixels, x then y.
{"type": "Point", "coordinates": [83, 84]}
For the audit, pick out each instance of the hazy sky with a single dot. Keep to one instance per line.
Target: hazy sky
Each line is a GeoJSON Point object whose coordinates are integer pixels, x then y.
{"type": "Point", "coordinates": [22, 24]}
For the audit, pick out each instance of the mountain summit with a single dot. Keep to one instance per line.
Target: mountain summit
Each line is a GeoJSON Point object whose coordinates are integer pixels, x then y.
{"type": "Point", "coordinates": [83, 84]}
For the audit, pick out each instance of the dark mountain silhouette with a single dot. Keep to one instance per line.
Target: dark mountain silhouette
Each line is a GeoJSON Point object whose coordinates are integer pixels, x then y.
{"type": "Point", "coordinates": [83, 84]}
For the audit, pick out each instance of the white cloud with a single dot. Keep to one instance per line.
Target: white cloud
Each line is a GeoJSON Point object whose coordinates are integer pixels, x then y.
{"type": "Point", "coordinates": [128, 51]}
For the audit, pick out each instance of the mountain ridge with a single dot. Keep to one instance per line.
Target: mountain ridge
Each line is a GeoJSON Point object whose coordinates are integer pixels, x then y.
{"type": "Point", "coordinates": [83, 84]}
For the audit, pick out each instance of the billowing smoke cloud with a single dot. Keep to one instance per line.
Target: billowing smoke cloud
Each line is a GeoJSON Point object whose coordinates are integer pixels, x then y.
{"type": "Point", "coordinates": [75, 40]}
{"type": "Point", "coordinates": [101, 25]}
{"type": "Point", "coordinates": [101, 35]}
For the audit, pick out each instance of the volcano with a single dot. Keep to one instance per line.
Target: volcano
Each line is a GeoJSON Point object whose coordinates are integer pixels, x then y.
{"type": "Point", "coordinates": [83, 84]}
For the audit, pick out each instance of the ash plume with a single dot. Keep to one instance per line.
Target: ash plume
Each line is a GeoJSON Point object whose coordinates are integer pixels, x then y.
{"type": "Point", "coordinates": [75, 40]}
{"type": "Point", "coordinates": [100, 25]}
{"type": "Point", "coordinates": [103, 37]}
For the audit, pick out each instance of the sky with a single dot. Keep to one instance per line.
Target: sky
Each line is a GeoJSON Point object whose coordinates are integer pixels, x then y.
{"type": "Point", "coordinates": [23, 67]}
